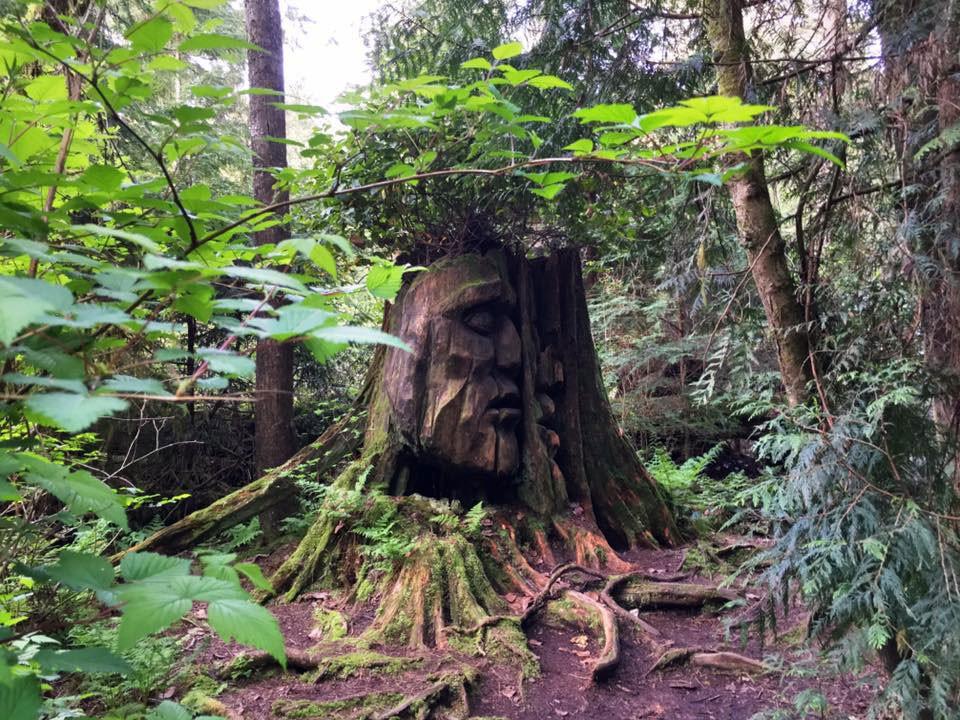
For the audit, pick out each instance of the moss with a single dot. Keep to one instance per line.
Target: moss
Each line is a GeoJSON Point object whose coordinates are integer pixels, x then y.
{"type": "Point", "coordinates": [331, 623]}
{"type": "Point", "coordinates": [506, 643]}
{"type": "Point", "coordinates": [349, 664]}
{"type": "Point", "coordinates": [701, 558]}
{"type": "Point", "coordinates": [203, 704]}
{"type": "Point", "coordinates": [565, 612]}
{"type": "Point", "coordinates": [352, 708]}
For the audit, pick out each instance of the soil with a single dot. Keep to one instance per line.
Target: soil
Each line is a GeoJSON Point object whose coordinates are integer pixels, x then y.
{"type": "Point", "coordinates": [566, 653]}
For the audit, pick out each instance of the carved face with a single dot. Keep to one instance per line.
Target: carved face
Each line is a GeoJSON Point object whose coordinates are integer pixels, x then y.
{"type": "Point", "coordinates": [455, 398]}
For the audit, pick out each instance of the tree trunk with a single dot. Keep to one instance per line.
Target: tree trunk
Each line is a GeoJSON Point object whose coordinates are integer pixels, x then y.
{"type": "Point", "coordinates": [941, 304]}
{"type": "Point", "coordinates": [500, 401]}
{"type": "Point", "coordinates": [756, 218]}
{"type": "Point", "coordinates": [920, 49]}
{"type": "Point", "coordinates": [275, 437]}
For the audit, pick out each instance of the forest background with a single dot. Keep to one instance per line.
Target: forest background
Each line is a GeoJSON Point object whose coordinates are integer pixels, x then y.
{"type": "Point", "coordinates": [773, 282]}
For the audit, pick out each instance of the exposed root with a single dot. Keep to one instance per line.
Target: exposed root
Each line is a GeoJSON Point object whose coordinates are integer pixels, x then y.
{"type": "Point", "coordinates": [299, 660]}
{"type": "Point", "coordinates": [715, 659]}
{"type": "Point", "coordinates": [448, 690]}
{"type": "Point", "coordinates": [442, 585]}
{"type": "Point", "coordinates": [609, 657]}
{"type": "Point", "coordinates": [635, 592]}
{"type": "Point", "coordinates": [589, 547]}
{"type": "Point", "coordinates": [647, 631]}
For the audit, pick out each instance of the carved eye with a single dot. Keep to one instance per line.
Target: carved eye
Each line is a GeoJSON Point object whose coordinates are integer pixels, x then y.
{"type": "Point", "coordinates": [481, 321]}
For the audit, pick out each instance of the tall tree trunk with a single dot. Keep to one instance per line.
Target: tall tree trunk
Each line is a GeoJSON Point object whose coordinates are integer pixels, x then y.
{"type": "Point", "coordinates": [941, 317]}
{"type": "Point", "coordinates": [756, 219]}
{"type": "Point", "coordinates": [920, 49]}
{"type": "Point", "coordinates": [275, 438]}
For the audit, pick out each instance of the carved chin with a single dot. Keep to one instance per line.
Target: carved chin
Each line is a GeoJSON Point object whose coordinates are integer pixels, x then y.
{"type": "Point", "coordinates": [507, 453]}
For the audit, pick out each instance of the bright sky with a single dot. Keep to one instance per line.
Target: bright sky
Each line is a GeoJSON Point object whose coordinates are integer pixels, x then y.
{"type": "Point", "coordinates": [325, 55]}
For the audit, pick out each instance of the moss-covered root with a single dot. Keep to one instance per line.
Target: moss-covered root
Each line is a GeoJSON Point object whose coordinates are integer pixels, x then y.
{"type": "Point", "coordinates": [440, 584]}
{"type": "Point", "coordinates": [299, 571]}
{"type": "Point", "coordinates": [609, 658]}
{"type": "Point", "coordinates": [638, 593]}
{"type": "Point", "coordinates": [588, 547]}
{"type": "Point", "coordinates": [445, 695]}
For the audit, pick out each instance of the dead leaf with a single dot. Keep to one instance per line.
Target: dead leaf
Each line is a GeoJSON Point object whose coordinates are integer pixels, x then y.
{"type": "Point", "coordinates": [580, 640]}
{"type": "Point", "coordinates": [535, 643]}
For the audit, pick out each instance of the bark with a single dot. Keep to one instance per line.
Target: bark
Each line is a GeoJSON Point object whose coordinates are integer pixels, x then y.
{"type": "Point", "coordinates": [756, 219]}
{"type": "Point", "coordinates": [275, 438]}
{"type": "Point", "coordinates": [436, 428]}
{"type": "Point", "coordinates": [920, 47]}
{"type": "Point", "coordinates": [941, 305]}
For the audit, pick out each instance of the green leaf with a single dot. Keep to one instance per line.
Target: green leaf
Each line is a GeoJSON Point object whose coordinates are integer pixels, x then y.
{"type": "Point", "coordinates": [81, 571]}
{"type": "Point", "coordinates": [131, 384]}
{"type": "Point", "coordinates": [254, 574]}
{"type": "Point", "coordinates": [384, 280]}
{"type": "Point", "coordinates": [247, 623]}
{"type": "Point", "coordinates": [477, 63]}
{"type": "Point", "coordinates": [317, 253]}
{"type": "Point", "coordinates": [156, 603]}
{"type": "Point", "coordinates": [814, 150]}
{"type": "Point", "coordinates": [86, 660]}
{"type": "Point", "coordinates": [580, 146]}
{"type": "Point", "coordinates": [143, 565]}
{"type": "Point", "coordinates": [228, 363]}
{"type": "Point", "coordinates": [204, 4]}
{"type": "Point", "coordinates": [323, 350]}
{"type": "Point", "coordinates": [72, 412]}
{"type": "Point", "coordinates": [20, 698]}
{"type": "Point", "coordinates": [169, 710]}
{"type": "Point", "coordinates": [152, 35]}
{"type": "Point", "coordinates": [507, 50]}
{"type": "Point", "coordinates": [80, 491]}
{"type": "Point", "coordinates": [293, 321]}
{"type": "Point", "coordinates": [265, 276]}
{"type": "Point", "coordinates": [618, 114]}
{"type": "Point", "coordinates": [215, 41]}
{"type": "Point", "coordinates": [103, 177]}
{"type": "Point", "coordinates": [547, 82]}
{"type": "Point", "coordinates": [550, 191]}
{"type": "Point", "coordinates": [136, 238]}
{"type": "Point", "coordinates": [75, 386]}
{"type": "Point", "coordinates": [360, 335]}
{"type": "Point", "coordinates": [16, 313]}
{"type": "Point", "coordinates": [399, 170]}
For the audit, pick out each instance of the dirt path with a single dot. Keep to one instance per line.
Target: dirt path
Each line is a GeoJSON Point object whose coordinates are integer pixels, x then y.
{"type": "Point", "coordinates": [566, 649]}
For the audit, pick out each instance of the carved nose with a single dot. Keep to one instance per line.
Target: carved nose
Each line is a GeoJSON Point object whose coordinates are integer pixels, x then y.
{"type": "Point", "coordinates": [507, 346]}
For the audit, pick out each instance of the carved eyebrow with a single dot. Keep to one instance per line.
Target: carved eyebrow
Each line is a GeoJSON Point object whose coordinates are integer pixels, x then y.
{"type": "Point", "coordinates": [473, 294]}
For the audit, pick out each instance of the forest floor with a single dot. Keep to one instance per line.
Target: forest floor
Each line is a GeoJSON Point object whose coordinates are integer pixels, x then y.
{"type": "Point", "coordinates": [563, 690]}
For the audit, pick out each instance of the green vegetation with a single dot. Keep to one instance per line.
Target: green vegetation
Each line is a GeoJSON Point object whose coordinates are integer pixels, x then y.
{"type": "Point", "coordinates": [767, 210]}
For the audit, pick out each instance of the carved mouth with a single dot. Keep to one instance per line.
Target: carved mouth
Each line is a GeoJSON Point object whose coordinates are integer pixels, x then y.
{"type": "Point", "coordinates": [505, 409]}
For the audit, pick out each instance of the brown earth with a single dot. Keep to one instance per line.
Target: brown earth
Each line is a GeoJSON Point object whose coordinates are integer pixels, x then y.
{"type": "Point", "coordinates": [566, 652]}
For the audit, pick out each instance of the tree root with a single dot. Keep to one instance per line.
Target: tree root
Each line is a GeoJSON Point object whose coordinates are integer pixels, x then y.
{"type": "Point", "coordinates": [715, 659]}
{"type": "Point", "coordinates": [635, 592]}
{"type": "Point", "coordinates": [452, 687]}
{"type": "Point", "coordinates": [647, 631]}
{"type": "Point", "coordinates": [609, 658]}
